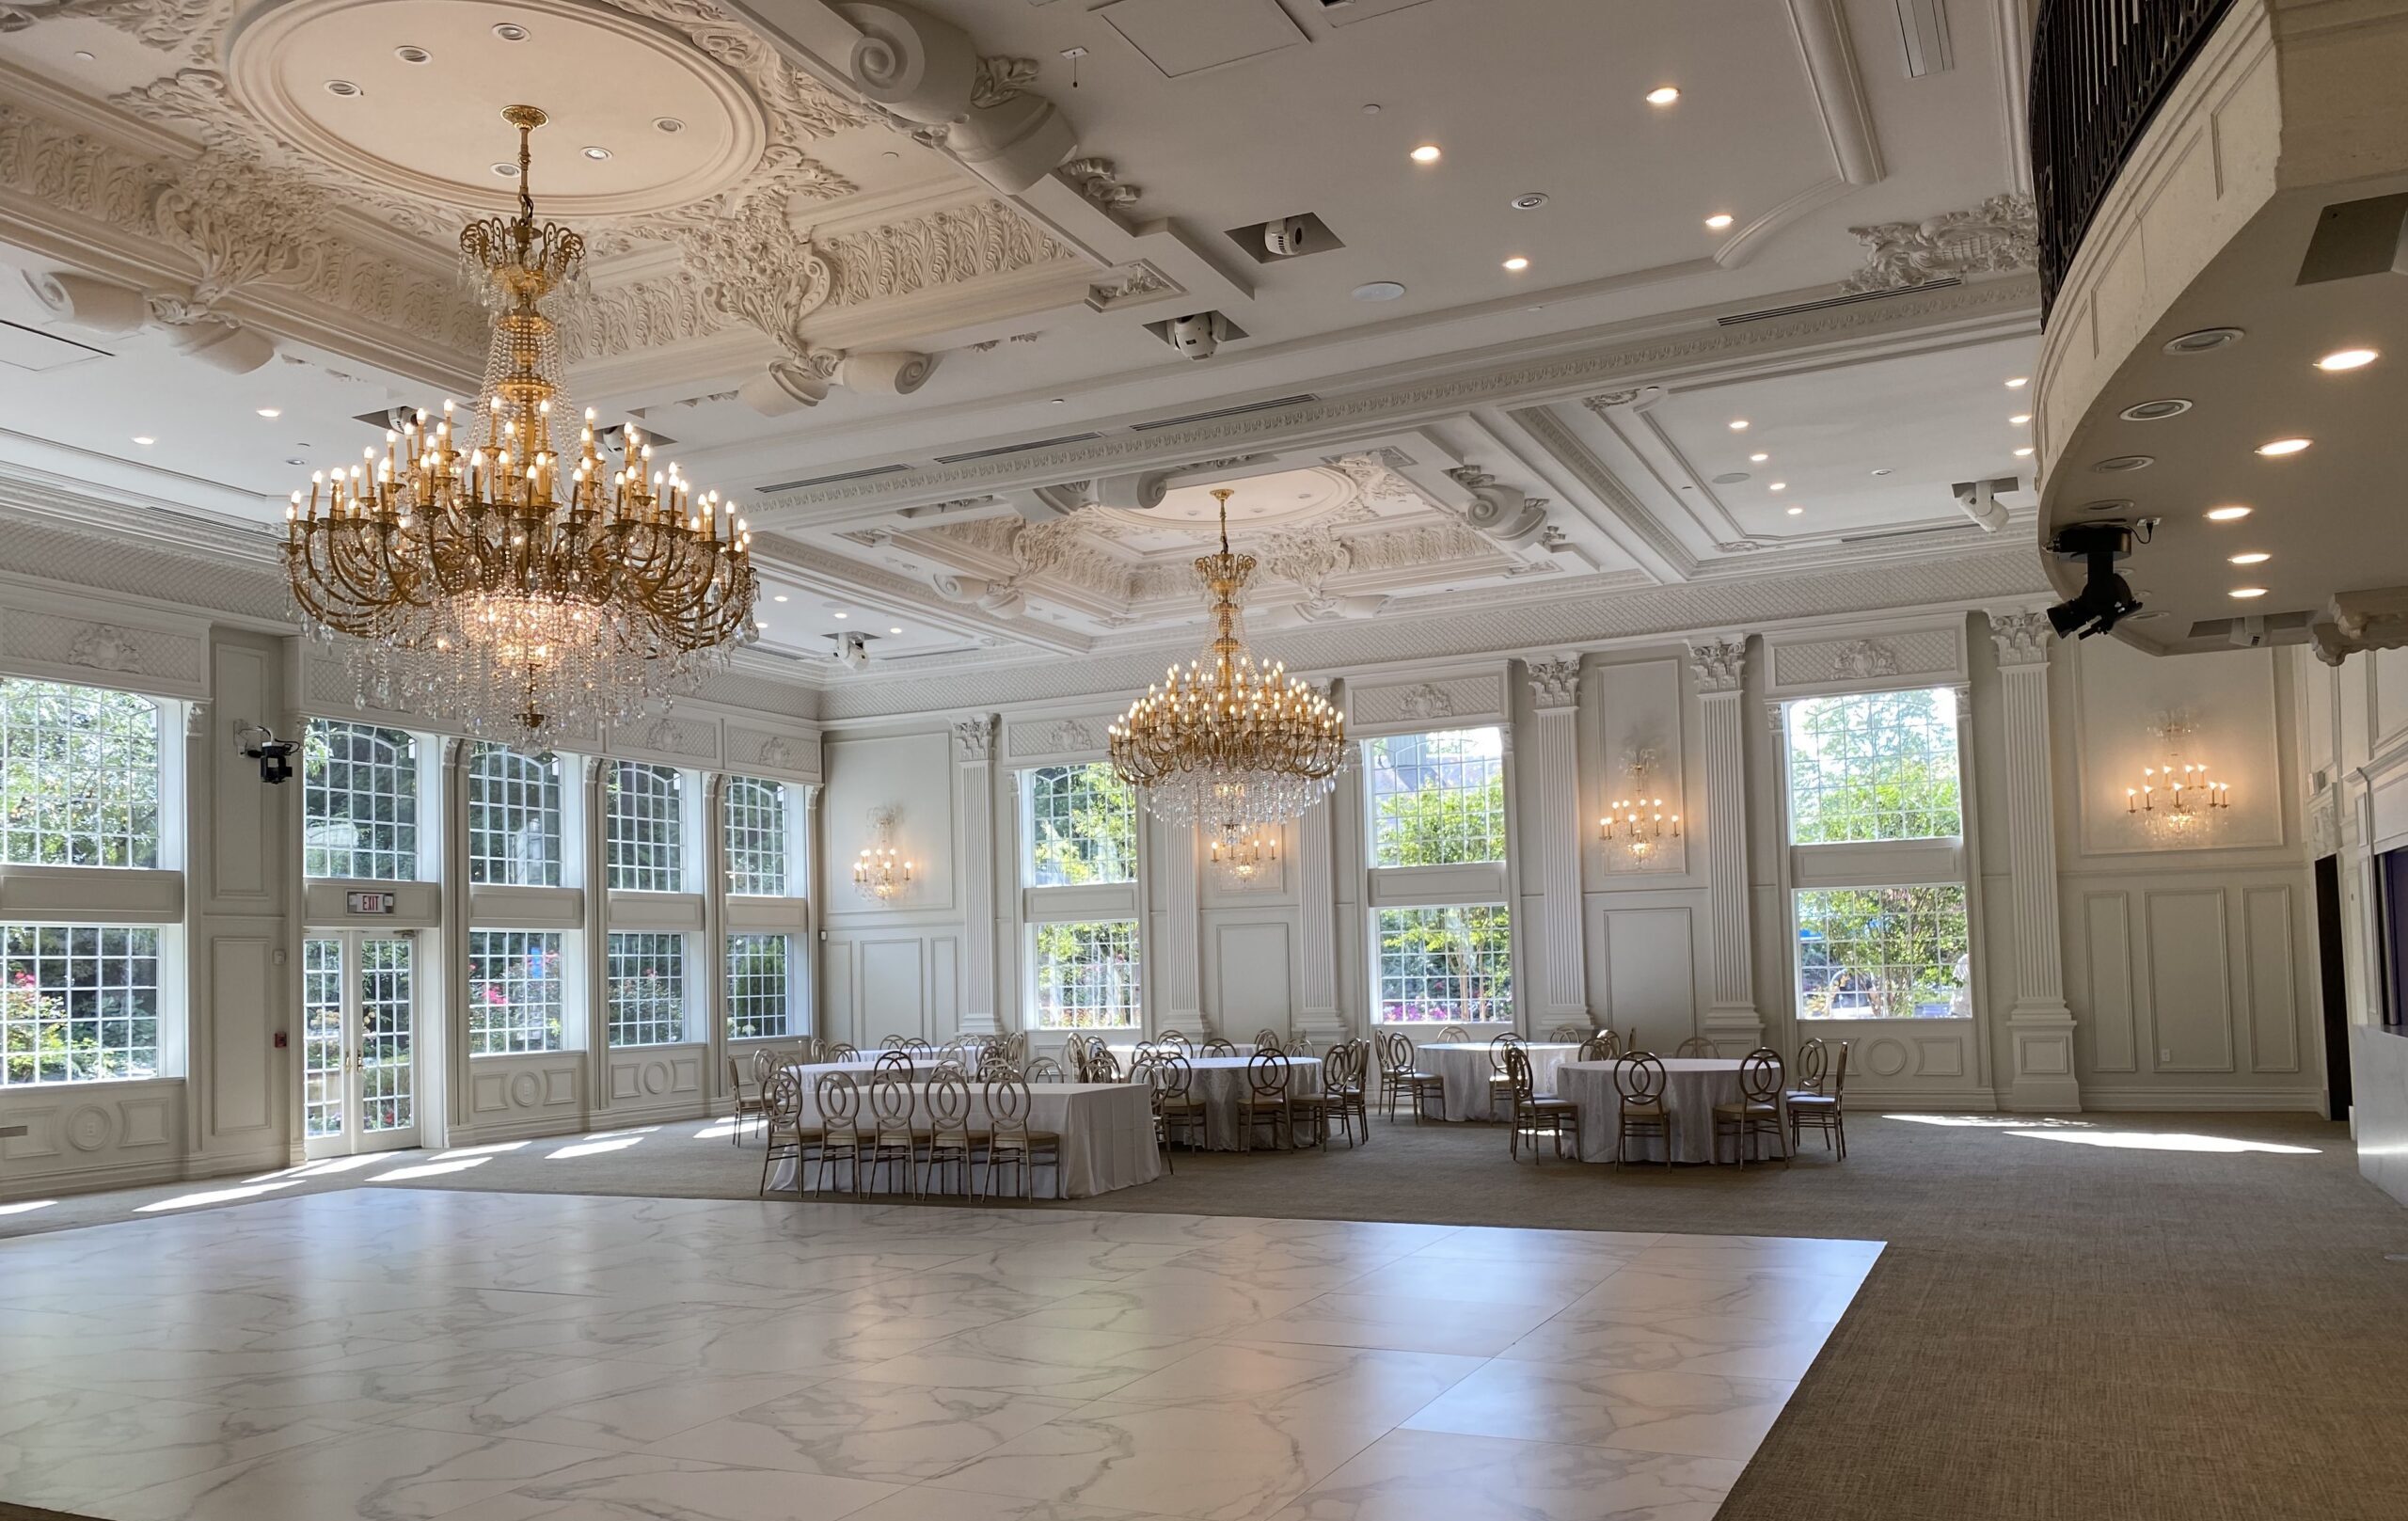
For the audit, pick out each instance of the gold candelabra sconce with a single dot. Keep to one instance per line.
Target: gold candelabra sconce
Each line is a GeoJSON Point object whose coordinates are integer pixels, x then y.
{"type": "Point", "coordinates": [2180, 798]}
{"type": "Point", "coordinates": [1638, 826]}
{"type": "Point", "coordinates": [1246, 856]}
{"type": "Point", "coordinates": [881, 873]}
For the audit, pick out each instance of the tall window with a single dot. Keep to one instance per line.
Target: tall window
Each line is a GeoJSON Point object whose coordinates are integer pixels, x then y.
{"type": "Point", "coordinates": [647, 989]}
{"type": "Point", "coordinates": [515, 1002]}
{"type": "Point", "coordinates": [78, 1002]}
{"type": "Point", "coordinates": [1082, 826]}
{"type": "Point", "coordinates": [79, 776]}
{"type": "Point", "coordinates": [514, 825]}
{"type": "Point", "coordinates": [755, 817]}
{"type": "Point", "coordinates": [1440, 965]}
{"type": "Point", "coordinates": [1873, 766]}
{"type": "Point", "coordinates": [1086, 974]}
{"type": "Point", "coordinates": [1438, 799]}
{"type": "Point", "coordinates": [758, 1003]}
{"type": "Point", "coordinates": [1879, 881]}
{"type": "Point", "coordinates": [358, 802]}
{"type": "Point", "coordinates": [645, 828]}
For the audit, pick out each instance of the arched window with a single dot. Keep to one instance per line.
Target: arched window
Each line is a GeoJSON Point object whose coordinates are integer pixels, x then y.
{"type": "Point", "coordinates": [645, 828]}
{"type": "Point", "coordinates": [79, 776]}
{"type": "Point", "coordinates": [755, 813]}
{"type": "Point", "coordinates": [358, 802]}
{"type": "Point", "coordinates": [513, 818]}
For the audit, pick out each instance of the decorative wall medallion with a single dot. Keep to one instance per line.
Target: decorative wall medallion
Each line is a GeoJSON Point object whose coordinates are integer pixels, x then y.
{"type": "Point", "coordinates": [776, 752]}
{"type": "Point", "coordinates": [526, 1090]}
{"type": "Point", "coordinates": [1886, 1057]}
{"type": "Point", "coordinates": [663, 735]}
{"type": "Point", "coordinates": [105, 647]}
{"type": "Point", "coordinates": [655, 1077]}
{"type": "Point", "coordinates": [1861, 660]}
{"type": "Point", "coordinates": [1425, 702]}
{"type": "Point", "coordinates": [2001, 236]}
{"type": "Point", "coordinates": [1071, 734]}
{"type": "Point", "coordinates": [89, 1129]}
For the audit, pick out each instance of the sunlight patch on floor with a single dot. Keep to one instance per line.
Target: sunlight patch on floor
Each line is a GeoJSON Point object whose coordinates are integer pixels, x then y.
{"type": "Point", "coordinates": [26, 1206]}
{"type": "Point", "coordinates": [1987, 1122]}
{"type": "Point", "coordinates": [430, 1169]}
{"type": "Point", "coordinates": [217, 1196]}
{"type": "Point", "coordinates": [588, 1148]}
{"type": "Point", "coordinates": [495, 1148]}
{"type": "Point", "coordinates": [2161, 1141]}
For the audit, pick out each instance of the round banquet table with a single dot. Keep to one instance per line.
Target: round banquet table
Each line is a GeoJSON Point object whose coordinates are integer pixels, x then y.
{"type": "Point", "coordinates": [1692, 1086]}
{"type": "Point", "coordinates": [1463, 1068]}
{"type": "Point", "coordinates": [1218, 1082]}
{"type": "Point", "coordinates": [1106, 1129]}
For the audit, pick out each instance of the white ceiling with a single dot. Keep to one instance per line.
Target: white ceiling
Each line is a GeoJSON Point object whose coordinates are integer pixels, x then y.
{"type": "Point", "coordinates": [1798, 138]}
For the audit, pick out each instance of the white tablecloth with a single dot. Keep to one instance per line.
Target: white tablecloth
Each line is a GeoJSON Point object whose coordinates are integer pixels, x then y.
{"type": "Point", "coordinates": [1218, 1081]}
{"type": "Point", "coordinates": [1464, 1067]}
{"type": "Point", "coordinates": [1692, 1086]}
{"type": "Point", "coordinates": [1107, 1130]}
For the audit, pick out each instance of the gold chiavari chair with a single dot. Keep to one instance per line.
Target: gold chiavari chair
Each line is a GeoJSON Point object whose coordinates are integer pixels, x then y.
{"type": "Point", "coordinates": [755, 1103]}
{"type": "Point", "coordinates": [1218, 1046]}
{"type": "Point", "coordinates": [892, 1143]}
{"type": "Point", "coordinates": [893, 1042]}
{"type": "Point", "coordinates": [1174, 1037]}
{"type": "Point", "coordinates": [893, 1059]}
{"type": "Point", "coordinates": [1264, 1099]}
{"type": "Point", "coordinates": [1696, 1045]}
{"type": "Point", "coordinates": [1043, 1070]}
{"type": "Point", "coordinates": [1535, 1117]}
{"type": "Point", "coordinates": [1341, 1086]}
{"type": "Point", "coordinates": [1103, 1066]}
{"type": "Point", "coordinates": [1604, 1046]}
{"type": "Point", "coordinates": [1399, 1078]}
{"type": "Point", "coordinates": [839, 1100]}
{"type": "Point", "coordinates": [1177, 1108]}
{"type": "Point", "coordinates": [1640, 1082]}
{"type": "Point", "coordinates": [1011, 1144]}
{"type": "Point", "coordinates": [1452, 1034]}
{"type": "Point", "coordinates": [1758, 1111]}
{"type": "Point", "coordinates": [781, 1111]}
{"type": "Point", "coordinates": [1267, 1038]}
{"type": "Point", "coordinates": [1822, 1108]}
{"type": "Point", "coordinates": [1500, 1081]}
{"type": "Point", "coordinates": [842, 1052]}
{"type": "Point", "coordinates": [1568, 1035]}
{"type": "Point", "coordinates": [951, 1141]}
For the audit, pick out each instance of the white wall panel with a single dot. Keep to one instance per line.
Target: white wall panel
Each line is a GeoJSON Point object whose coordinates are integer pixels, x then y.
{"type": "Point", "coordinates": [2189, 990]}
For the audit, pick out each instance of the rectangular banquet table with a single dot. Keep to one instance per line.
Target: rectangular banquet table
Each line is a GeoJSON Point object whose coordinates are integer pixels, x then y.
{"type": "Point", "coordinates": [1692, 1086]}
{"type": "Point", "coordinates": [1107, 1130]}
{"type": "Point", "coordinates": [1219, 1080]}
{"type": "Point", "coordinates": [1463, 1068]}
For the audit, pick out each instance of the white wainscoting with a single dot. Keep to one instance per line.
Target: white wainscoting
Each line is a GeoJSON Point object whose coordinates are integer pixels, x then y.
{"type": "Point", "coordinates": [538, 1094]}
{"type": "Point", "coordinates": [893, 981]}
{"type": "Point", "coordinates": [1645, 963]}
{"type": "Point", "coordinates": [1249, 974]}
{"type": "Point", "coordinates": [1908, 1063]}
{"type": "Point", "coordinates": [92, 1135]}
{"type": "Point", "coordinates": [651, 1083]}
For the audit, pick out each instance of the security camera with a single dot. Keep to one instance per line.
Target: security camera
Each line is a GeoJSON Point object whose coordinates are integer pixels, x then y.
{"type": "Point", "coordinates": [274, 755]}
{"type": "Point", "coordinates": [1283, 236]}
{"type": "Point", "coordinates": [852, 650]}
{"type": "Point", "coordinates": [1198, 336]}
{"type": "Point", "coordinates": [1979, 499]}
{"type": "Point", "coordinates": [2105, 599]}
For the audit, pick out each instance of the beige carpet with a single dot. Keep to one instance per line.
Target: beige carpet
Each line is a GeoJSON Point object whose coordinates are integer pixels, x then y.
{"type": "Point", "coordinates": [2060, 1329]}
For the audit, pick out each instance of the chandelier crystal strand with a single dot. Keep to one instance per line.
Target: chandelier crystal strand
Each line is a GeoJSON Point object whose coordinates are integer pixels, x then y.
{"type": "Point", "coordinates": [1226, 744]}
{"type": "Point", "coordinates": [498, 569]}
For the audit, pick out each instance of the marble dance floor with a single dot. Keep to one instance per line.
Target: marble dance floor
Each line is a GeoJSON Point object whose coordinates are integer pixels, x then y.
{"type": "Point", "coordinates": [499, 1357]}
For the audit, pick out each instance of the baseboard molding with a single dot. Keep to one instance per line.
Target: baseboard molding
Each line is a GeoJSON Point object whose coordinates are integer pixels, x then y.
{"type": "Point", "coordinates": [2227, 1099]}
{"type": "Point", "coordinates": [1968, 1101]}
{"type": "Point", "coordinates": [143, 1174]}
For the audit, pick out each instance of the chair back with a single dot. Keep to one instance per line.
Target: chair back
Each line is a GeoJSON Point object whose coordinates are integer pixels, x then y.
{"type": "Point", "coordinates": [1174, 1037]}
{"type": "Point", "coordinates": [1299, 1045]}
{"type": "Point", "coordinates": [1173, 1078]}
{"type": "Point", "coordinates": [1343, 1067]}
{"type": "Point", "coordinates": [1568, 1034]}
{"type": "Point", "coordinates": [890, 1106]}
{"type": "Point", "coordinates": [1604, 1046]}
{"type": "Point", "coordinates": [1267, 1038]}
{"type": "Point", "coordinates": [782, 1097]}
{"type": "Point", "coordinates": [844, 1052]}
{"type": "Point", "coordinates": [1839, 1073]}
{"type": "Point", "coordinates": [1266, 1074]}
{"type": "Point", "coordinates": [1396, 1050]}
{"type": "Point", "coordinates": [1759, 1075]}
{"type": "Point", "coordinates": [949, 1111]}
{"type": "Point", "coordinates": [894, 1059]}
{"type": "Point", "coordinates": [893, 1042]}
{"type": "Point", "coordinates": [839, 1099]}
{"type": "Point", "coordinates": [736, 1077]}
{"type": "Point", "coordinates": [1696, 1045]}
{"type": "Point", "coordinates": [1811, 1061]}
{"type": "Point", "coordinates": [1103, 1066]}
{"type": "Point", "coordinates": [1454, 1035]}
{"type": "Point", "coordinates": [1220, 1046]}
{"type": "Point", "coordinates": [1503, 1046]}
{"type": "Point", "coordinates": [1008, 1112]}
{"type": "Point", "coordinates": [1518, 1073]}
{"type": "Point", "coordinates": [764, 1061]}
{"type": "Point", "coordinates": [918, 1045]}
{"type": "Point", "coordinates": [1640, 1078]}
{"type": "Point", "coordinates": [1043, 1070]}
{"type": "Point", "coordinates": [950, 1066]}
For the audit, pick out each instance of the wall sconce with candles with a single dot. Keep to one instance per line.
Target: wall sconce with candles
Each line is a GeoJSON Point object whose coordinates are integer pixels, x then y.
{"type": "Point", "coordinates": [2180, 798]}
{"type": "Point", "coordinates": [881, 873]}
{"type": "Point", "coordinates": [1242, 859]}
{"type": "Point", "coordinates": [1638, 825]}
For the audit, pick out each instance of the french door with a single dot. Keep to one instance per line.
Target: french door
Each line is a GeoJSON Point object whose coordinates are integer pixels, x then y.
{"type": "Point", "coordinates": [358, 1066]}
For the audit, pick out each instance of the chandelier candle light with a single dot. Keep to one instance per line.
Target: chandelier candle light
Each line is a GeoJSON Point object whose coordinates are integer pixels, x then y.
{"type": "Point", "coordinates": [1242, 858]}
{"type": "Point", "coordinates": [495, 568]}
{"type": "Point", "coordinates": [2176, 795]}
{"type": "Point", "coordinates": [1227, 745]}
{"type": "Point", "coordinates": [1637, 823]}
{"type": "Point", "coordinates": [881, 872]}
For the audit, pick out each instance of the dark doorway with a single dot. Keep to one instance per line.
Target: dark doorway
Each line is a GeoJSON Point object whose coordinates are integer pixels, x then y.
{"type": "Point", "coordinates": [2333, 980]}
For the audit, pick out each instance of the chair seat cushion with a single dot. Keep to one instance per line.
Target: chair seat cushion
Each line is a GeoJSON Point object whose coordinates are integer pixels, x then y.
{"type": "Point", "coordinates": [1642, 1106]}
{"type": "Point", "coordinates": [1743, 1110]}
{"type": "Point", "coordinates": [1812, 1101]}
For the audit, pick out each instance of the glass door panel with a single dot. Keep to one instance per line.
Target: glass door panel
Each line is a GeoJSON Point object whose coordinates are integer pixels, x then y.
{"type": "Point", "coordinates": [358, 1071]}
{"type": "Point", "coordinates": [323, 1067]}
{"type": "Point", "coordinates": [387, 1096]}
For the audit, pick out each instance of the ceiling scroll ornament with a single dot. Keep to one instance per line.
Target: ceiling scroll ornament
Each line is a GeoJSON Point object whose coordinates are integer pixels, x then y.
{"type": "Point", "coordinates": [1100, 181]}
{"type": "Point", "coordinates": [2001, 236]}
{"type": "Point", "coordinates": [165, 24]}
{"type": "Point", "coordinates": [1001, 80]}
{"type": "Point", "coordinates": [1140, 282]}
{"type": "Point", "coordinates": [1499, 511]}
{"type": "Point", "coordinates": [776, 752]}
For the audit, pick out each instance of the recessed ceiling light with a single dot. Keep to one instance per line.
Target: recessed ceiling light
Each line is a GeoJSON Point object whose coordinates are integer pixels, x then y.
{"type": "Point", "coordinates": [2019, 419]}
{"type": "Point", "coordinates": [1426, 153]}
{"type": "Point", "coordinates": [1059, 400]}
{"type": "Point", "coordinates": [2348, 359]}
{"type": "Point", "coordinates": [894, 630]}
{"type": "Point", "coordinates": [509, 31]}
{"type": "Point", "coordinates": [2283, 446]}
{"type": "Point", "coordinates": [595, 152]}
{"type": "Point", "coordinates": [843, 615]}
{"type": "Point", "coordinates": [2156, 411]}
{"type": "Point", "coordinates": [1777, 486]}
{"type": "Point", "coordinates": [144, 439]}
{"type": "Point", "coordinates": [2247, 592]}
{"type": "Point", "coordinates": [1663, 95]}
{"type": "Point", "coordinates": [2227, 514]}
{"type": "Point", "coordinates": [1530, 201]}
{"type": "Point", "coordinates": [1371, 108]}
{"type": "Point", "coordinates": [669, 125]}
{"type": "Point", "coordinates": [1378, 291]}
{"type": "Point", "coordinates": [2025, 452]}
{"type": "Point", "coordinates": [2255, 557]}
{"type": "Point", "coordinates": [1738, 424]}
{"type": "Point", "coordinates": [508, 171]}
{"type": "Point", "coordinates": [412, 53]}
{"type": "Point", "coordinates": [2123, 463]}
{"type": "Point", "coordinates": [1884, 470]}
{"type": "Point", "coordinates": [1758, 459]}
{"type": "Point", "coordinates": [2018, 382]}
{"type": "Point", "coordinates": [271, 411]}
{"type": "Point", "coordinates": [760, 622]}
{"type": "Point", "coordinates": [777, 596]}
{"type": "Point", "coordinates": [1718, 220]}
{"type": "Point", "coordinates": [1517, 263]}
{"type": "Point", "coordinates": [1798, 512]}
{"type": "Point", "coordinates": [81, 57]}
{"type": "Point", "coordinates": [342, 87]}
{"type": "Point", "coordinates": [2207, 340]}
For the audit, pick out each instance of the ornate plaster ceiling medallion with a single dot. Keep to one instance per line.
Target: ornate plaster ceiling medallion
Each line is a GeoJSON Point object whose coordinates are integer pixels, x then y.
{"type": "Point", "coordinates": [422, 131]}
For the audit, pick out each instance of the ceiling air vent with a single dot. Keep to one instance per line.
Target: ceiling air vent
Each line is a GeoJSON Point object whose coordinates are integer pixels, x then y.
{"type": "Point", "coordinates": [1016, 449]}
{"type": "Point", "coordinates": [1768, 312]}
{"type": "Point", "coordinates": [774, 488]}
{"type": "Point", "coordinates": [1273, 405]}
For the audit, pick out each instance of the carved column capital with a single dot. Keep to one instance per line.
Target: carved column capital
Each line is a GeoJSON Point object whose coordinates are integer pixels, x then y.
{"type": "Point", "coordinates": [973, 739]}
{"type": "Point", "coordinates": [1719, 664]}
{"type": "Point", "coordinates": [1555, 682]}
{"type": "Point", "coordinates": [2022, 636]}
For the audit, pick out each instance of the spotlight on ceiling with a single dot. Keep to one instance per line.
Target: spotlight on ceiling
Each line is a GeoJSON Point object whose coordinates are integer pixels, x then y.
{"type": "Point", "coordinates": [2105, 599]}
{"type": "Point", "coordinates": [1663, 95]}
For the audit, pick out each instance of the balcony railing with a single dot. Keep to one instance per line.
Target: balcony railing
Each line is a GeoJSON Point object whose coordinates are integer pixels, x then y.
{"type": "Point", "coordinates": [2099, 71]}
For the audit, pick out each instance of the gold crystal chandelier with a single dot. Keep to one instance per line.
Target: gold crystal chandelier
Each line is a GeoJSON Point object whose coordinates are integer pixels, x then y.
{"type": "Point", "coordinates": [500, 570]}
{"type": "Point", "coordinates": [1226, 744]}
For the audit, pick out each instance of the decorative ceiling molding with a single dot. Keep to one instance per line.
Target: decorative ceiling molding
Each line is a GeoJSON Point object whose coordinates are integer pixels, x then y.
{"type": "Point", "coordinates": [2001, 236]}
